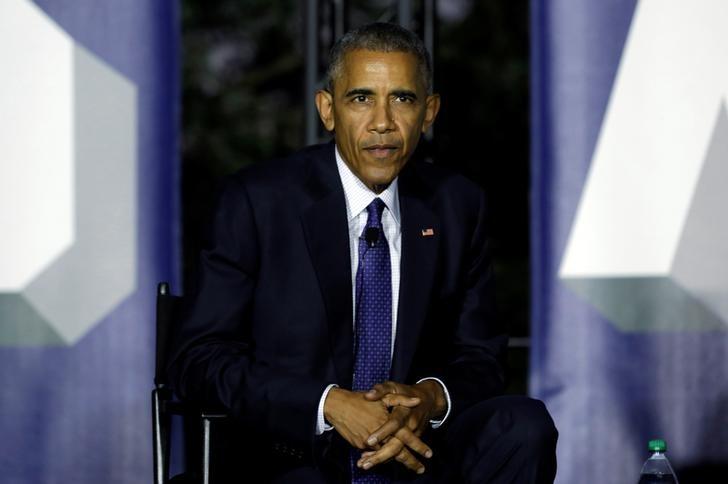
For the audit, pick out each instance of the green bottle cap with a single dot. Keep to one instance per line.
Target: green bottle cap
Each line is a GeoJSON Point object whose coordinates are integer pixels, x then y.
{"type": "Point", "coordinates": [657, 445]}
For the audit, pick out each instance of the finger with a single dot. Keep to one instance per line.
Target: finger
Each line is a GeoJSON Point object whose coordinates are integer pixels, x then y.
{"type": "Point", "coordinates": [393, 400]}
{"type": "Point", "coordinates": [388, 428]}
{"type": "Point", "coordinates": [397, 420]}
{"type": "Point", "coordinates": [380, 390]}
{"type": "Point", "coordinates": [367, 454]}
{"type": "Point", "coordinates": [376, 392]}
{"type": "Point", "coordinates": [406, 458]}
{"type": "Point", "coordinates": [392, 448]}
{"type": "Point", "coordinates": [408, 438]}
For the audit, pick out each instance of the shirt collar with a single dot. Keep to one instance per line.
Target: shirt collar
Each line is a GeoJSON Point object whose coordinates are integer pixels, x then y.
{"type": "Point", "coordinates": [358, 196]}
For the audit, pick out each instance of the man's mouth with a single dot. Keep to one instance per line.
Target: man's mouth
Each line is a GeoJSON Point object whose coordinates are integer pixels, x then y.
{"type": "Point", "coordinates": [381, 150]}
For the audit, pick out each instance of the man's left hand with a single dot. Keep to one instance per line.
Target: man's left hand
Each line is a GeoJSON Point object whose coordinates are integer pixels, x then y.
{"type": "Point", "coordinates": [406, 424]}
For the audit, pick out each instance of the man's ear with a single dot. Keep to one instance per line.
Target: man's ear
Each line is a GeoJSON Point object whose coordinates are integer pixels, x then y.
{"type": "Point", "coordinates": [325, 106]}
{"type": "Point", "coordinates": [432, 107]}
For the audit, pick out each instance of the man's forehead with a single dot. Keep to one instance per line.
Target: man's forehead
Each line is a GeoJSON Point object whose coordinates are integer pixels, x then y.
{"type": "Point", "coordinates": [369, 65]}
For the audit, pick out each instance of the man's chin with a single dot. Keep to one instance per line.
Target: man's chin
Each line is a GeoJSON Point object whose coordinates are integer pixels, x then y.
{"type": "Point", "coordinates": [379, 183]}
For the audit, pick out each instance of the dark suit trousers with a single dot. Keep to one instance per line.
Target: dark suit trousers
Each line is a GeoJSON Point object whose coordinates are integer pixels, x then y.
{"type": "Point", "coordinates": [507, 439]}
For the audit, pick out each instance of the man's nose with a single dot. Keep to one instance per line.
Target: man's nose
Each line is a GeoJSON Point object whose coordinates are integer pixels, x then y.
{"type": "Point", "coordinates": [382, 118]}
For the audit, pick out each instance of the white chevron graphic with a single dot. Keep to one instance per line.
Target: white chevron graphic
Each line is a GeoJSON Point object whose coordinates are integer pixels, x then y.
{"type": "Point", "coordinates": [68, 182]}
{"type": "Point", "coordinates": [648, 246]}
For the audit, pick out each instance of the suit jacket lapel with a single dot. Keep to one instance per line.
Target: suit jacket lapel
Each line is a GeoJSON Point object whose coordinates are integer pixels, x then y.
{"type": "Point", "coordinates": [327, 237]}
{"type": "Point", "coordinates": [417, 268]}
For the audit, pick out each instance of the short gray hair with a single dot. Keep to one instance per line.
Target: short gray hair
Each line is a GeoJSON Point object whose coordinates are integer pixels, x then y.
{"type": "Point", "coordinates": [379, 37]}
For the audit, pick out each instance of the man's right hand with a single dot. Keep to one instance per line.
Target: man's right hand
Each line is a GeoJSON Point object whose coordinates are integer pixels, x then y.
{"type": "Point", "coordinates": [355, 418]}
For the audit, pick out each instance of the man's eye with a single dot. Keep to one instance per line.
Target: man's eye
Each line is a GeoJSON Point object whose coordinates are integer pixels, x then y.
{"type": "Point", "coordinates": [360, 99]}
{"type": "Point", "coordinates": [404, 99]}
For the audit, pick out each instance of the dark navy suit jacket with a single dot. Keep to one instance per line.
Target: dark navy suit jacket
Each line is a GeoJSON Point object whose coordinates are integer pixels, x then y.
{"type": "Point", "coordinates": [271, 325]}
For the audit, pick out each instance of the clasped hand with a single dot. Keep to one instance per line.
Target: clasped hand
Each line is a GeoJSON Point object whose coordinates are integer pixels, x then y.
{"type": "Point", "coordinates": [387, 421]}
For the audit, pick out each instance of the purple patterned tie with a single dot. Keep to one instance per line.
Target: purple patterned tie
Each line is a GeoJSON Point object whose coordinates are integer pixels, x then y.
{"type": "Point", "coordinates": [373, 331]}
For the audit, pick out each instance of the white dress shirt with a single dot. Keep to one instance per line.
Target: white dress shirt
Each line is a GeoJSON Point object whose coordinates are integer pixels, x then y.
{"type": "Point", "coordinates": [358, 197]}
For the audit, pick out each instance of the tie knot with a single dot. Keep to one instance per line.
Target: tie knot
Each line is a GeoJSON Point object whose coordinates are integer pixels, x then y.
{"type": "Point", "coordinates": [374, 212]}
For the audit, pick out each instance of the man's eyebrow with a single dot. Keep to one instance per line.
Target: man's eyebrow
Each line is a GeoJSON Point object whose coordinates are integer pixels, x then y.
{"type": "Point", "coordinates": [404, 93]}
{"type": "Point", "coordinates": [359, 91]}
{"type": "Point", "coordinates": [364, 91]}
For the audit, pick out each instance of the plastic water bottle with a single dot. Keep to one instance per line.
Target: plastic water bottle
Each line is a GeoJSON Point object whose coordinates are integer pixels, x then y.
{"type": "Point", "coordinates": [657, 468]}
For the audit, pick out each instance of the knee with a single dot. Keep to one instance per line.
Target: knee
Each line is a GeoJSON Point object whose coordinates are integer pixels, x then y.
{"type": "Point", "coordinates": [532, 424]}
{"type": "Point", "coordinates": [520, 420]}
{"type": "Point", "coordinates": [504, 439]}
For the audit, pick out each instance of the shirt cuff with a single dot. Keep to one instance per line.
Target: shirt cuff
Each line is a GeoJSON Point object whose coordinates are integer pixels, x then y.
{"type": "Point", "coordinates": [321, 425]}
{"type": "Point", "coordinates": [437, 423]}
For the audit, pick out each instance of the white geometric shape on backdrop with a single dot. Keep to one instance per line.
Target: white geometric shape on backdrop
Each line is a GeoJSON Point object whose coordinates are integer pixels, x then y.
{"type": "Point", "coordinates": [629, 242]}
{"type": "Point", "coordinates": [36, 135]}
{"type": "Point", "coordinates": [57, 296]}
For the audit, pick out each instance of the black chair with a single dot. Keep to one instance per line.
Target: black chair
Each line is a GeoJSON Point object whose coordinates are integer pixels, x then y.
{"type": "Point", "coordinates": [198, 423]}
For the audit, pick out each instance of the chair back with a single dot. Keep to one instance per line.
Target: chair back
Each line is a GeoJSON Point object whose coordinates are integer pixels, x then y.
{"type": "Point", "coordinates": [168, 310]}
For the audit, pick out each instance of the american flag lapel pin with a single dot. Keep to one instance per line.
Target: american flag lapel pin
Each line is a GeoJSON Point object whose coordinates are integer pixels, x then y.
{"type": "Point", "coordinates": [428, 232]}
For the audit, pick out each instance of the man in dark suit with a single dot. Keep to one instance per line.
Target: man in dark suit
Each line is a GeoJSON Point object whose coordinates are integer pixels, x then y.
{"type": "Point", "coordinates": [344, 315]}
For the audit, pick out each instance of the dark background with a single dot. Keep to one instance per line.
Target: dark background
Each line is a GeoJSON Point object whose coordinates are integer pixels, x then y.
{"type": "Point", "coordinates": [243, 102]}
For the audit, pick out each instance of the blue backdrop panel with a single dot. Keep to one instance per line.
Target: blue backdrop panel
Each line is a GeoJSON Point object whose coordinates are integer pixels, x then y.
{"type": "Point", "coordinates": [75, 399]}
{"type": "Point", "coordinates": [620, 358]}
